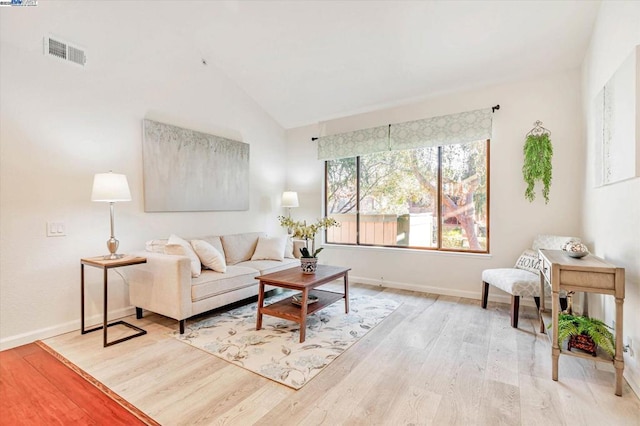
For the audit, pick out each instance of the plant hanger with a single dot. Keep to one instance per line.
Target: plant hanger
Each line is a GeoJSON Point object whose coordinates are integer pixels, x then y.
{"type": "Point", "coordinates": [538, 130]}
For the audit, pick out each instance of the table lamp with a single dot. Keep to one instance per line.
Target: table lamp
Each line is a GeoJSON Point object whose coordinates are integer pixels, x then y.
{"type": "Point", "coordinates": [289, 200]}
{"type": "Point", "coordinates": [111, 188]}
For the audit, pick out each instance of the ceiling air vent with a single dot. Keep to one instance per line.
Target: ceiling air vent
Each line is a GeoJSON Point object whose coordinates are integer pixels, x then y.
{"type": "Point", "coordinates": [63, 50]}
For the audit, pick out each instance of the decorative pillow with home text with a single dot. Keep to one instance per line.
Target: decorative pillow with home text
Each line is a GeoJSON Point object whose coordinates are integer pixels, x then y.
{"type": "Point", "coordinates": [528, 261]}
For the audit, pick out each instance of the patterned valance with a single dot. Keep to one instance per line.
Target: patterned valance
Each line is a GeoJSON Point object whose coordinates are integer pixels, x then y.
{"type": "Point", "coordinates": [444, 130]}
{"type": "Point", "coordinates": [352, 144]}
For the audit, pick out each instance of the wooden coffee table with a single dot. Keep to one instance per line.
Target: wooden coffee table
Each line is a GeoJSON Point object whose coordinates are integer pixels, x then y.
{"type": "Point", "coordinates": [294, 279]}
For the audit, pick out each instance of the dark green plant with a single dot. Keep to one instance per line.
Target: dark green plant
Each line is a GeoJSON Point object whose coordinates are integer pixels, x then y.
{"type": "Point", "coordinates": [305, 252]}
{"type": "Point", "coordinates": [537, 165]}
{"type": "Point", "coordinates": [572, 325]}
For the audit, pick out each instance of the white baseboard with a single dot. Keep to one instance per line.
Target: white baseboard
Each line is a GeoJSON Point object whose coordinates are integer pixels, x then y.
{"type": "Point", "coordinates": [477, 295]}
{"type": "Point", "coordinates": [45, 333]}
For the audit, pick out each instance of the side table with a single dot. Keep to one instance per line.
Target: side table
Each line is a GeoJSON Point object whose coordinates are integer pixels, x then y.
{"type": "Point", "coordinates": [590, 274]}
{"type": "Point", "coordinates": [105, 265]}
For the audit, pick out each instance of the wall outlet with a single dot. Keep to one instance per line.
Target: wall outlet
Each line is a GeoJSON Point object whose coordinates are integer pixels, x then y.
{"type": "Point", "coordinates": [56, 229]}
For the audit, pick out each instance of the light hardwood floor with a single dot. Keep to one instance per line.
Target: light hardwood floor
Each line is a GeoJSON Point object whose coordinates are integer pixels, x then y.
{"type": "Point", "coordinates": [436, 360]}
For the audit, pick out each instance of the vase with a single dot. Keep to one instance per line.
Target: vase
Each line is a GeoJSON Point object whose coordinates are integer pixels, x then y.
{"type": "Point", "coordinates": [308, 265]}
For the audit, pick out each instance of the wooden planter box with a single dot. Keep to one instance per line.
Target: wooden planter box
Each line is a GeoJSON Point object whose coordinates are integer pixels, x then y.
{"type": "Point", "coordinates": [583, 342]}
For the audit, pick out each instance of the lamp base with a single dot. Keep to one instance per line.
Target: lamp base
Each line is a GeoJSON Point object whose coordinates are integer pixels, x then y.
{"type": "Point", "coordinates": [113, 256]}
{"type": "Point", "coordinates": [112, 245]}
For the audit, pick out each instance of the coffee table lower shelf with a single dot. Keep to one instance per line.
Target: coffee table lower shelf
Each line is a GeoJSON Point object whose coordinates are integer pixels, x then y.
{"type": "Point", "coordinates": [286, 309]}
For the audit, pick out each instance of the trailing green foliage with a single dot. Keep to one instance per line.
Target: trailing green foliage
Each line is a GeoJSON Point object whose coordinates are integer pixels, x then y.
{"type": "Point", "coordinates": [570, 325]}
{"type": "Point", "coordinates": [537, 165]}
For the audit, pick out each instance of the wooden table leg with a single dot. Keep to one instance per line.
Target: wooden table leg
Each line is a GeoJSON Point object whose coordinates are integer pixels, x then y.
{"type": "Point", "coordinates": [555, 349]}
{"type": "Point", "coordinates": [303, 314]}
{"type": "Point", "coordinates": [260, 305]}
{"type": "Point", "coordinates": [618, 361]}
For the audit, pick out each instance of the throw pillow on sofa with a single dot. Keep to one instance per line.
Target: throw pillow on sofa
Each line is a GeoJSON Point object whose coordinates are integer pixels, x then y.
{"type": "Point", "coordinates": [270, 248]}
{"type": "Point", "coordinates": [240, 247]}
{"type": "Point", "coordinates": [288, 250]}
{"type": "Point", "coordinates": [196, 266]}
{"type": "Point", "coordinates": [209, 256]}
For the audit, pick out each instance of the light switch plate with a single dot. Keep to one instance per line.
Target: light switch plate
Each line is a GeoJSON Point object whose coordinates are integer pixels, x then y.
{"type": "Point", "coordinates": [56, 229]}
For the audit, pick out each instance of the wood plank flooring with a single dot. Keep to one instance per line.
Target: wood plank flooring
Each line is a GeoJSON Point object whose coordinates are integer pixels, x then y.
{"type": "Point", "coordinates": [436, 360]}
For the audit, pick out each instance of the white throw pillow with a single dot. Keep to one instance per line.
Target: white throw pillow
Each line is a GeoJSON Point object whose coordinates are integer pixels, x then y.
{"type": "Point", "coordinates": [528, 261]}
{"type": "Point", "coordinates": [270, 248]}
{"type": "Point", "coordinates": [288, 249]}
{"type": "Point", "coordinates": [209, 255]}
{"type": "Point", "coordinates": [196, 267]}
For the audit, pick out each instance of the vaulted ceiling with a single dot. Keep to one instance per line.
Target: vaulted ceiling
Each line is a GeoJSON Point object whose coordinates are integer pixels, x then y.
{"type": "Point", "coordinates": [308, 61]}
{"type": "Point", "coordinates": [305, 62]}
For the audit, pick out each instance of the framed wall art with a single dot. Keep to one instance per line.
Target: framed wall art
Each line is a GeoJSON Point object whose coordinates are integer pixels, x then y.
{"type": "Point", "coordinates": [186, 170]}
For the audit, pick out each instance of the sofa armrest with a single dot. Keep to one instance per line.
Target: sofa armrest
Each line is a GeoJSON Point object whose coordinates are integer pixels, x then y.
{"type": "Point", "coordinates": [162, 285]}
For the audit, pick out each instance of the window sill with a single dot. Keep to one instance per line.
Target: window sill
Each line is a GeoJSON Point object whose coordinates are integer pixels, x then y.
{"type": "Point", "coordinates": [394, 250]}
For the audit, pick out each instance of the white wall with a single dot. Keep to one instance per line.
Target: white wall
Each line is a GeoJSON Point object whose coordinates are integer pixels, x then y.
{"type": "Point", "coordinates": [611, 214]}
{"type": "Point", "coordinates": [62, 123]}
{"type": "Point", "coordinates": [514, 222]}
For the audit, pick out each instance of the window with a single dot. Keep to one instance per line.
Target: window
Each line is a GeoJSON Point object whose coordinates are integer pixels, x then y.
{"type": "Point", "coordinates": [432, 198]}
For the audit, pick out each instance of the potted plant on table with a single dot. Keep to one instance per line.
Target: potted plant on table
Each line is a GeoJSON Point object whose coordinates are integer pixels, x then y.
{"type": "Point", "coordinates": [300, 229]}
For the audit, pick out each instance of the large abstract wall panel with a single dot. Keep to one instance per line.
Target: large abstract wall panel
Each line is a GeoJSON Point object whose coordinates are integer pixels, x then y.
{"type": "Point", "coordinates": [185, 170]}
{"type": "Point", "coordinates": [617, 124]}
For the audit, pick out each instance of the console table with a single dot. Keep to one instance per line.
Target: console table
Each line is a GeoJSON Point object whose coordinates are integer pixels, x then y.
{"type": "Point", "coordinates": [105, 265]}
{"type": "Point", "coordinates": [589, 274]}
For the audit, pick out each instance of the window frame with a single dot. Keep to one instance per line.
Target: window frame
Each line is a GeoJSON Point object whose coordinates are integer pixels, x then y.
{"type": "Point", "coordinates": [439, 247]}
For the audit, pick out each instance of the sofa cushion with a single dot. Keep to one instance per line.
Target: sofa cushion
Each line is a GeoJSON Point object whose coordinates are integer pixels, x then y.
{"type": "Point", "coordinates": [212, 283]}
{"type": "Point", "coordinates": [196, 266]}
{"type": "Point", "coordinates": [268, 266]}
{"type": "Point", "coordinates": [270, 248]}
{"type": "Point", "coordinates": [240, 247]}
{"type": "Point", "coordinates": [209, 255]}
{"type": "Point", "coordinates": [528, 261]}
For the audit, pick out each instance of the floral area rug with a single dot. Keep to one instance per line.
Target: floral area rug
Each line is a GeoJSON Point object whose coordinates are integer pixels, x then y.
{"type": "Point", "coordinates": [274, 351]}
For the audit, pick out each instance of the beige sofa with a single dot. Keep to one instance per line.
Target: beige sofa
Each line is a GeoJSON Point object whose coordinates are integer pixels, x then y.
{"type": "Point", "coordinates": [168, 285]}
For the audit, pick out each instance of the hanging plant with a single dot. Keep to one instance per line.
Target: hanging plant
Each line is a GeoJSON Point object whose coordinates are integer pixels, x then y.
{"type": "Point", "coordinates": [537, 163]}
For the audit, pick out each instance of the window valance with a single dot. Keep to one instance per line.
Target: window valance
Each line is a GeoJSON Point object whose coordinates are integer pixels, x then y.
{"type": "Point", "coordinates": [443, 130]}
{"type": "Point", "coordinates": [352, 144]}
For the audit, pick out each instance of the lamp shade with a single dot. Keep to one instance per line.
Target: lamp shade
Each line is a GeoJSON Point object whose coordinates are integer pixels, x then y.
{"type": "Point", "coordinates": [290, 199]}
{"type": "Point", "coordinates": [110, 187]}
